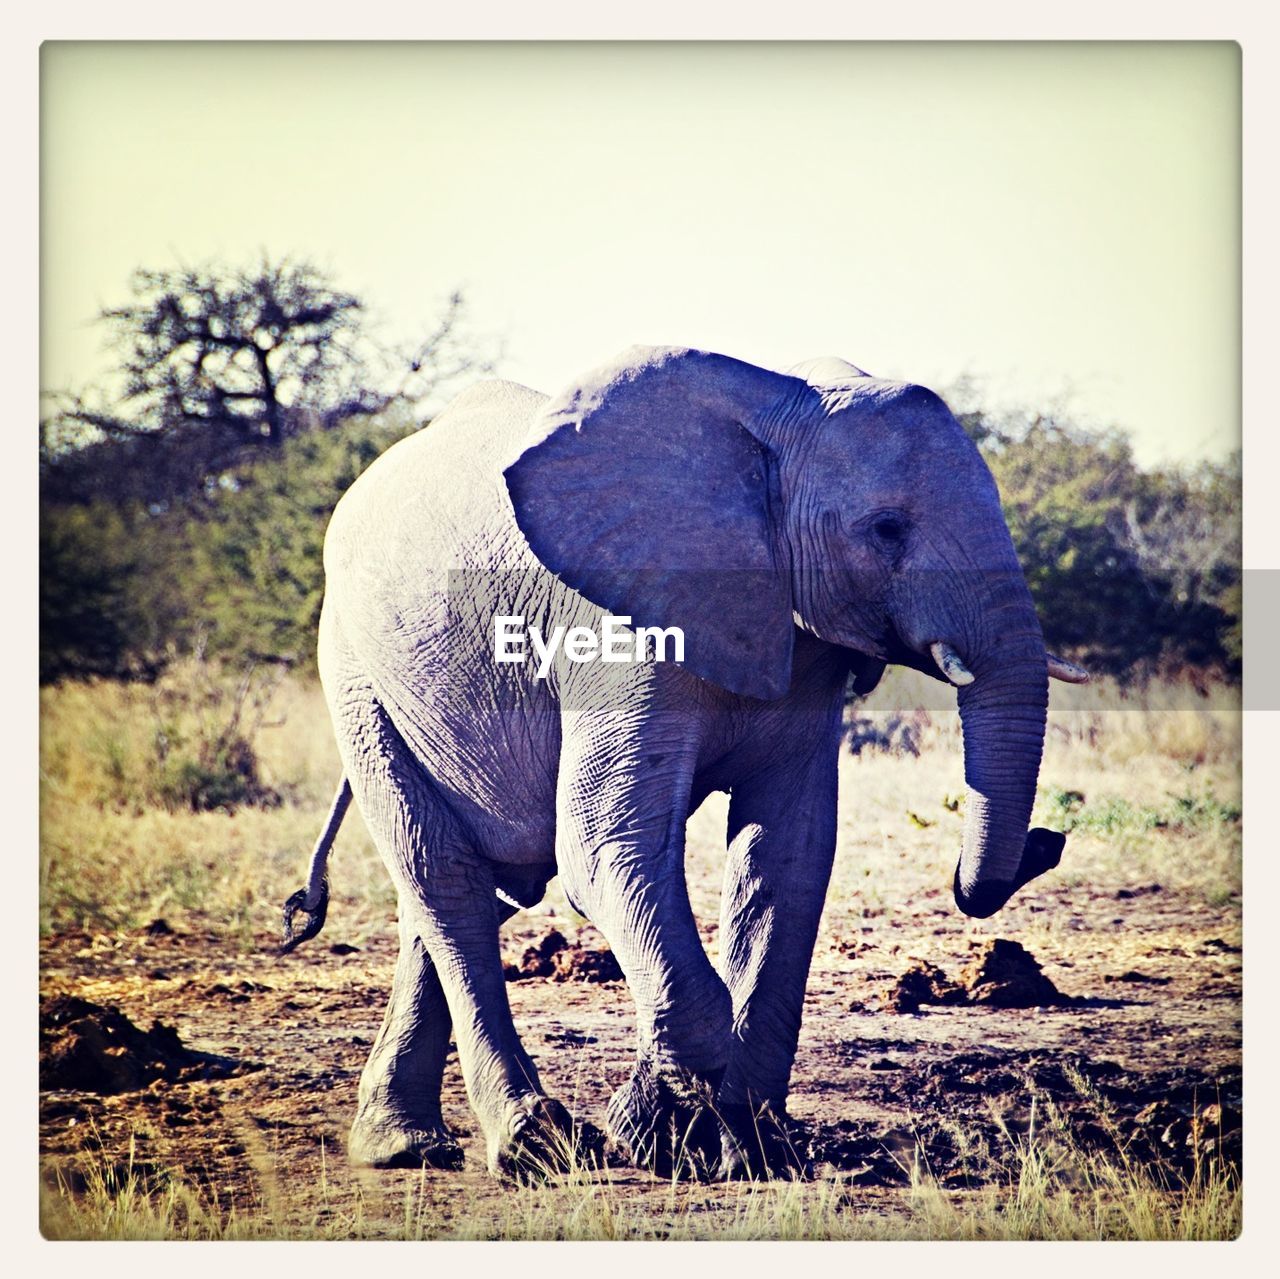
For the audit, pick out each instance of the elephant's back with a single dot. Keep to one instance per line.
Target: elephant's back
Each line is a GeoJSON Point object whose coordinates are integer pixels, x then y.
{"type": "Point", "coordinates": [432, 497]}
{"type": "Point", "coordinates": [428, 523]}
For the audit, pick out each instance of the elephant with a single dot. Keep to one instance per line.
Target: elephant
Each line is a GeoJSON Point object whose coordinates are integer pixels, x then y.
{"type": "Point", "coordinates": [801, 530]}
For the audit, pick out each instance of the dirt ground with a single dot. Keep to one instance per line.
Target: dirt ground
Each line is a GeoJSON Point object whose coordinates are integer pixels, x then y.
{"type": "Point", "coordinates": [1141, 1053]}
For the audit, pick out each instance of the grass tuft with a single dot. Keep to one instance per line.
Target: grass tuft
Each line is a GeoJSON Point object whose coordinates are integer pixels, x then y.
{"type": "Point", "coordinates": [1040, 1186]}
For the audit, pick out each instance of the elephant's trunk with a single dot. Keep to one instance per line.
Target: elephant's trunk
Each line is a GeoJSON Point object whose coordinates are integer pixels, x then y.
{"type": "Point", "coordinates": [1002, 712]}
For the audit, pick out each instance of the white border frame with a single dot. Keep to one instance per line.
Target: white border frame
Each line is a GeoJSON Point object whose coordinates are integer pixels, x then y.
{"type": "Point", "coordinates": [1245, 21]}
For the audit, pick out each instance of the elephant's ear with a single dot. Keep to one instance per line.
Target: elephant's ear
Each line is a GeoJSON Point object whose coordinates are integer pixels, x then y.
{"type": "Point", "coordinates": [646, 490]}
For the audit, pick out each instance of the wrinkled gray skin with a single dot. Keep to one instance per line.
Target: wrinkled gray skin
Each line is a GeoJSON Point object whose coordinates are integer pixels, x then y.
{"type": "Point", "coordinates": [799, 529]}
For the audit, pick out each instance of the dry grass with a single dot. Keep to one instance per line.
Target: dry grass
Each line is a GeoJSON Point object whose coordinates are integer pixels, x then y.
{"type": "Point", "coordinates": [1045, 1187]}
{"type": "Point", "coordinates": [113, 858]}
{"type": "Point", "coordinates": [1150, 790]}
{"type": "Point", "coordinates": [1147, 781]}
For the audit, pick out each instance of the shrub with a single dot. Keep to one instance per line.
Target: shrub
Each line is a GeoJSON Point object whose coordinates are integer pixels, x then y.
{"type": "Point", "coordinates": [235, 572]}
{"type": "Point", "coordinates": [1131, 569]}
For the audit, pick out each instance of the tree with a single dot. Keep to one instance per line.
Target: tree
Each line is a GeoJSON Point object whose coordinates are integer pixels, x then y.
{"type": "Point", "coordinates": [217, 364]}
{"type": "Point", "coordinates": [171, 518]}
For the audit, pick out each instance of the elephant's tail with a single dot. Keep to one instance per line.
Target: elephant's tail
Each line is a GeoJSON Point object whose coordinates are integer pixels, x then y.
{"type": "Point", "coordinates": [312, 902]}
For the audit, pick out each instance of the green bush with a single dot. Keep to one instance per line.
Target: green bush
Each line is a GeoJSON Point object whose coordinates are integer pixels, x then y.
{"type": "Point", "coordinates": [104, 607]}
{"type": "Point", "coordinates": [257, 555]}
{"type": "Point", "coordinates": [1131, 569]}
{"type": "Point", "coordinates": [221, 774]}
{"type": "Point", "coordinates": [235, 573]}
{"type": "Point", "coordinates": [1115, 815]}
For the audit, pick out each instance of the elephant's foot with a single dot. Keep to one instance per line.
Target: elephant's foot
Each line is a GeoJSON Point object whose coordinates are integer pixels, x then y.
{"type": "Point", "coordinates": [540, 1140]}
{"type": "Point", "coordinates": [664, 1120]}
{"type": "Point", "coordinates": [382, 1139]}
{"type": "Point", "coordinates": [760, 1142]}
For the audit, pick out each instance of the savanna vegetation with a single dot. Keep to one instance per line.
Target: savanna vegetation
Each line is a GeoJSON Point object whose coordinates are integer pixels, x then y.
{"type": "Point", "coordinates": [186, 764]}
{"type": "Point", "coordinates": [186, 515]}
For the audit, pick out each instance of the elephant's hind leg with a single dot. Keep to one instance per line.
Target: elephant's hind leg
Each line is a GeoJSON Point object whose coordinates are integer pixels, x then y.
{"type": "Point", "coordinates": [449, 940]}
{"type": "Point", "coordinates": [398, 1123]}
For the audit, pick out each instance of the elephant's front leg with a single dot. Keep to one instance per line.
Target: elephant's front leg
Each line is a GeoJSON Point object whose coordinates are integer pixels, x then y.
{"type": "Point", "coordinates": [623, 802]}
{"type": "Point", "coordinates": [782, 842]}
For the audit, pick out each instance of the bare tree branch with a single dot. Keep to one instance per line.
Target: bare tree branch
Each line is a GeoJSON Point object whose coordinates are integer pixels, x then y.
{"type": "Point", "coordinates": [220, 362]}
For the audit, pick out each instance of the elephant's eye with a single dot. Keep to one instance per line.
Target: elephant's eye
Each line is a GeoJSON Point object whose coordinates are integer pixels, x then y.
{"type": "Point", "coordinates": [890, 529]}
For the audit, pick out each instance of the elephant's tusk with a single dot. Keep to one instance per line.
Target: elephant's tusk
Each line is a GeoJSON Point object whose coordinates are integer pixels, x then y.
{"type": "Point", "coordinates": [951, 664]}
{"type": "Point", "coordinates": [1067, 672]}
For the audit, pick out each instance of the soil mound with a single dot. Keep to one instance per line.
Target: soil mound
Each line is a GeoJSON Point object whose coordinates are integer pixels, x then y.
{"type": "Point", "coordinates": [1003, 974]}
{"type": "Point", "coordinates": [555, 959]}
{"type": "Point", "coordinates": [94, 1049]}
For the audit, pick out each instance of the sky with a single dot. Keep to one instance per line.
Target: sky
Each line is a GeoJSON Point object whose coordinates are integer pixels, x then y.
{"type": "Point", "coordinates": [1057, 223]}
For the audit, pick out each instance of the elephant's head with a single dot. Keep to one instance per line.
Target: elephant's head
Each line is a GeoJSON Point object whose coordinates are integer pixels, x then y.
{"type": "Point", "coordinates": [693, 490]}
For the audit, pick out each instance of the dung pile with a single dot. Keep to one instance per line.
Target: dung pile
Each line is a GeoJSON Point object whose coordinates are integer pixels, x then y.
{"type": "Point", "coordinates": [555, 959]}
{"type": "Point", "coordinates": [923, 983]}
{"type": "Point", "coordinates": [1003, 974]}
{"type": "Point", "coordinates": [90, 1048]}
